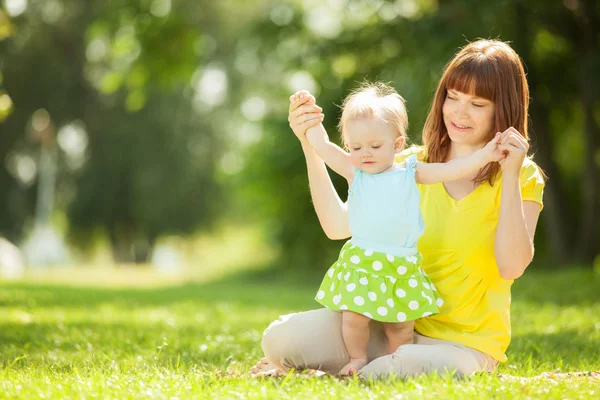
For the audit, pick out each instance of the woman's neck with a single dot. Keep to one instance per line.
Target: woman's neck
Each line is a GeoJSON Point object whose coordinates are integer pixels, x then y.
{"type": "Point", "coordinates": [461, 150]}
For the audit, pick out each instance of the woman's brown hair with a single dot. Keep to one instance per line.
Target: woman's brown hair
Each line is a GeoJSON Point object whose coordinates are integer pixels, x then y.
{"type": "Point", "coordinates": [489, 69]}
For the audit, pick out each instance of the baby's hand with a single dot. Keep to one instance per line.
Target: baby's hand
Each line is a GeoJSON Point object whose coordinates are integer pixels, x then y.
{"type": "Point", "coordinates": [302, 97]}
{"type": "Point", "coordinates": [491, 150]}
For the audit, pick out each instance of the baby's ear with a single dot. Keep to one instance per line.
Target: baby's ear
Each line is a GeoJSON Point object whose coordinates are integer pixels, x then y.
{"type": "Point", "coordinates": [399, 144]}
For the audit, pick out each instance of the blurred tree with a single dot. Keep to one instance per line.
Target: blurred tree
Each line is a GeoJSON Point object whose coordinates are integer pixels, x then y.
{"type": "Point", "coordinates": [116, 77]}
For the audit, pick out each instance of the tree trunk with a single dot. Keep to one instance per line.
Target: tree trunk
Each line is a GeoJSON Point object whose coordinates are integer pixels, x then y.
{"type": "Point", "coordinates": [555, 215]}
{"type": "Point", "coordinates": [121, 240]}
{"type": "Point", "coordinates": [587, 239]}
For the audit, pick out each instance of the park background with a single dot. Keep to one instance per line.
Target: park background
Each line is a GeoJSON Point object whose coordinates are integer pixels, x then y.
{"type": "Point", "coordinates": [146, 159]}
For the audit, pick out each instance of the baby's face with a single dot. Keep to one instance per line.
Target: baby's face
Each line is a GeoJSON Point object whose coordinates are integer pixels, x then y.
{"type": "Point", "coordinates": [373, 144]}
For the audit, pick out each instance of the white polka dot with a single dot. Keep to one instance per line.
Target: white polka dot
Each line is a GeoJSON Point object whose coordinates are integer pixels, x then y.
{"type": "Point", "coordinates": [332, 287]}
{"type": "Point", "coordinates": [336, 299]}
{"type": "Point", "coordinates": [355, 259]}
{"type": "Point", "coordinates": [411, 259]}
{"type": "Point", "coordinates": [402, 270]}
{"type": "Point", "coordinates": [390, 258]}
{"type": "Point", "coordinates": [413, 305]}
{"type": "Point", "coordinates": [352, 246]}
{"type": "Point", "coordinates": [383, 288]}
{"type": "Point", "coordinates": [429, 299]}
{"type": "Point", "coordinates": [342, 253]}
{"type": "Point", "coordinates": [330, 272]}
{"type": "Point", "coordinates": [320, 295]}
{"type": "Point", "coordinates": [401, 317]}
{"type": "Point", "coordinates": [347, 276]}
{"type": "Point", "coordinates": [339, 276]}
{"type": "Point", "coordinates": [343, 307]}
{"type": "Point", "coordinates": [439, 302]}
{"type": "Point", "coordinates": [390, 302]}
{"type": "Point", "coordinates": [427, 313]}
{"type": "Point", "coordinates": [350, 287]}
{"type": "Point", "coordinates": [368, 253]}
{"type": "Point", "coordinates": [412, 282]}
{"type": "Point", "coordinates": [391, 278]}
{"type": "Point", "coordinates": [377, 265]}
{"type": "Point", "coordinates": [433, 287]}
{"type": "Point", "coordinates": [426, 285]}
{"type": "Point", "coordinates": [363, 281]}
{"type": "Point", "coordinates": [400, 293]}
{"type": "Point", "coordinates": [372, 296]}
{"type": "Point", "coordinates": [359, 301]}
{"type": "Point", "coordinates": [368, 315]}
{"type": "Point", "coordinates": [361, 270]}
{"type": "Point", "coordinates": [382, 311]}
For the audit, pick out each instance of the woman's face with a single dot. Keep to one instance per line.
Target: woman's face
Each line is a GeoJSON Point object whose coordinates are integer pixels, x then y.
{"type": "Point", "coordinates": [469, 119]}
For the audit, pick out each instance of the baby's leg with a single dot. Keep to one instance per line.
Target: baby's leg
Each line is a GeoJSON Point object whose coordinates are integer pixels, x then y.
{"type": "Point", "coordinates": [399, 333]}
{"type": "Point", "coordinates": [355, 330]}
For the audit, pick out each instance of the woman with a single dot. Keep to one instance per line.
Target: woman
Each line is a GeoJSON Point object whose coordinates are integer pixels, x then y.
{"type": "Point", "coordinates": [478, 231]}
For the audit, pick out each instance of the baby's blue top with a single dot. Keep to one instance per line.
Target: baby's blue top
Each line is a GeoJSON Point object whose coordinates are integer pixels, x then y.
{"type": "Point", "coordinates": [384, 210]}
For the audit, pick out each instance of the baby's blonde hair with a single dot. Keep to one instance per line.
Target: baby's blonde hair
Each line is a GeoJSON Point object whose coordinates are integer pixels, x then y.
{"type": "Point", "coordinates": [375, 100]}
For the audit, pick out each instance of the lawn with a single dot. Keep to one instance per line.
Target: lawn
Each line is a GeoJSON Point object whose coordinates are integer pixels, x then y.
{"type": "Point", "coordinates": [183, 341]}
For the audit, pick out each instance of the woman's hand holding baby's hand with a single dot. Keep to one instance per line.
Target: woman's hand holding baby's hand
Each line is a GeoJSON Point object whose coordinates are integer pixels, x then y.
{"type": "Point", "coordinates": [514, 147]}
{"type": "Point", "coordinates": [303, 113]}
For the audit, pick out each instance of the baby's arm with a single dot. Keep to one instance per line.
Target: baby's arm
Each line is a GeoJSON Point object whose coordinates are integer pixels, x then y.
{"type": "Point", "coordinates": [336, 158]}
{"type": "Point", "coordinates": [429, 173]}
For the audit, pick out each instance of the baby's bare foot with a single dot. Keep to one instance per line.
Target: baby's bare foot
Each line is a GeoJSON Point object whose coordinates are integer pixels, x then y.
{"type": "Point", "coordinates": [265, 368]}
{"type": "Point", "coordinates": [353, 366]}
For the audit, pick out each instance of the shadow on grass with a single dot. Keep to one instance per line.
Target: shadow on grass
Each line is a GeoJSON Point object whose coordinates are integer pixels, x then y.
{"type": "Point", "coordinates": [568, 349]}
{"type": "Point", "coordinates": [234, 291]}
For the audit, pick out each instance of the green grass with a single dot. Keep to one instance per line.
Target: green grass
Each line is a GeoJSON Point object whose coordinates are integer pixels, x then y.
{"type": "Point", "coordinates": [61, 342]}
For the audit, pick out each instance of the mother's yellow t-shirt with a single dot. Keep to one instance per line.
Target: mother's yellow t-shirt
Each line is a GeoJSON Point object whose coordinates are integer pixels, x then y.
{"type": "Point", "coordinates": [458, 255]}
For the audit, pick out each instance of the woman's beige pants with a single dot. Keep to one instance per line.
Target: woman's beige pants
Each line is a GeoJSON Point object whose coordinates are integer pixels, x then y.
{"type": "Point", "coordinates": [313, 339]}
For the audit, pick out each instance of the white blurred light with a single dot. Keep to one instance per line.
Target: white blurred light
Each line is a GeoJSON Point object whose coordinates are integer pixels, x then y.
{"type": "Point", "coordinates": [407, 8]}
{"type": "Point", "coordinates": [160, 8]}
{"type": "Point", "coordinates": [302, 80]}
{"type": "Point", "coordinates": [324, 22]}
{"type": "Point", "coordinates": [282, 14]}
{"type": "Point", "coordinates": [12, 263]}
{"type": "Point", "coordinates": [254, 108]}
{"type": "Point", "coordinates": [167, 259]}
{"type": "Point", "coordinates": [73, 139]}
{"type": "Point", "coordinates": [15, 7]}
{"type": "Point", "coordinates": [22, 167]}
{"type": "Point", "coordinates": [45, 247]}
{"type": "Point", "coordinates": [388, 12]}
{"type": "Point", "coordinates": [246, 62]}
{"type": "Point", "coordinates": [211, 87]}
{"type": "Point", "coordinates": [231, 163]}
{"type": "Point", "coordinates": [52, 11]}
{"type": "Point", "coordinates": [96, 50]}
{"type": "Point", "coordinates": [248, 134]}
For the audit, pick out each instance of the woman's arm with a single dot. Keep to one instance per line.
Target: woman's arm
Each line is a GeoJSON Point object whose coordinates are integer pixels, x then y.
{"type": "Point", "coordinates": [517, 221]}
{"type": "Point", "coordinates": [331, 211]}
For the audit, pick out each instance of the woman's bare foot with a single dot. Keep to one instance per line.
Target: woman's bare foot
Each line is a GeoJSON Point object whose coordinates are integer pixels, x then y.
{"type": "Point", "coordinates": [265, 368]}
{"type": "Point", "coordinates": [353, 366]}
